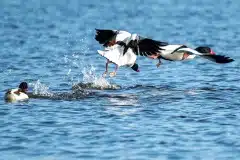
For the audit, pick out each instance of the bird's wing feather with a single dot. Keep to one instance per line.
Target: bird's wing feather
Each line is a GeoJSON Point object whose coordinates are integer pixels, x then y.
{"type": "Point", "coordinates": [104, 36]}
{"type": "Point", "coordinates": [218, 58]}
{"type": "Point", "coordinates": [149, 46]}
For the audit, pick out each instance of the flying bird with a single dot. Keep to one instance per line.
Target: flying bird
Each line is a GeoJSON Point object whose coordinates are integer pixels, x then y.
{"type": "Point", "coordinates": [122, 48]}
{"type": "Point", "coordinates": [182, 52]}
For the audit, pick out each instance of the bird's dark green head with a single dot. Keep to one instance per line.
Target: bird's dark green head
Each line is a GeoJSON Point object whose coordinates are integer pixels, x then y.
{"type": "Point", "coordinates": [135, 67]}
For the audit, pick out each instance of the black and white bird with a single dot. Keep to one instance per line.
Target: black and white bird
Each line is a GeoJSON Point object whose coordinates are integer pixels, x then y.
{"type": "Point", "coordinates": [17, 94]}
{"type": "Point", "coordinates": [182, 52]}
{"type": "Point", "coordinates": [122, 48]}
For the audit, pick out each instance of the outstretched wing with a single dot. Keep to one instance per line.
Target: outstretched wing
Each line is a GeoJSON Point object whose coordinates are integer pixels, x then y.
{"type": "Point", "coordinates": [218, 58]}
{"type": "Point", "coordinates": [105, 36]}
{"type": "Point", "coordinates": [147, 47]}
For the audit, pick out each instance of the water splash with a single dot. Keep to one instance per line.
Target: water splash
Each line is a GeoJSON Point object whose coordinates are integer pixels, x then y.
{"type": "Point", "coordinates": [89, 76]}
{"type": "Point", "coordinates": [92, 81]}
{"type": "Point", "coordinates": [40, 89]}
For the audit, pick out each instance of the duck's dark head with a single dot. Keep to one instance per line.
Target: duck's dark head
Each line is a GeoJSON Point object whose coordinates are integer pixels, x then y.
{"type": "Point", "coordinates": [205, 50]}
{"type": "Point", "coordinates": [23, 86]}
{"type": "Point", "coordinates": [135, 67]}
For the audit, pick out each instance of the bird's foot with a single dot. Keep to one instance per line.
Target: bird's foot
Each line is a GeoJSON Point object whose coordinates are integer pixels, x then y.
{"type": "Point", "coordinates": [104, 74]}
{"type": "Point", "coordinates": [112, 74]}
{"type": "Point", "coordinates": [158, 65]}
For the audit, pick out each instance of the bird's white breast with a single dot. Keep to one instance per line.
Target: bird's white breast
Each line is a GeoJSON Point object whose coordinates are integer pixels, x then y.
{"type": "Point", "coordinates": [115, 54]}
{"type": "Point", "coordinates": [11, 96]}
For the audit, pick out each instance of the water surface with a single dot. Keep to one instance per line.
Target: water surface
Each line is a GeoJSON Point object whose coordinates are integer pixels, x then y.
{"type": "Point", "coordinates": [182, 110]}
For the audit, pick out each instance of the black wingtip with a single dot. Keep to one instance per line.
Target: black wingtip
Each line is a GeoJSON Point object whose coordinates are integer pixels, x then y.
{"type": "Point", "coordinates": [230, 60]}
{"type": "Point", "coordinates": [221, 59]}
{"type": "Point", "coordinates": [224, 59]}
{"type": "Point", "coordinates": [103, 36]}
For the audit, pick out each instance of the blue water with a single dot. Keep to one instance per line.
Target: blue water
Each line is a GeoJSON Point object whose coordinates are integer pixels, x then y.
{"type": "Point", "coordinates": [182, 110]}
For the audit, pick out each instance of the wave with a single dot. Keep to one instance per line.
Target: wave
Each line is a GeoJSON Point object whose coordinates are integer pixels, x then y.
{"type": "Point", "coordinates": [90, 85]}
{"type": "Point", "coordinates": [78, 91]}
{"type": "Point", "coordinates": [103, 89]}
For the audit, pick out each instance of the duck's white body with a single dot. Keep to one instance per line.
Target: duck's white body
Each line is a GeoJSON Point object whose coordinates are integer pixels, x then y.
{"type": "Point", "coordinates": [115, 55]}
{"type": "Point", "coordinates": [170, 54]}
{"type": "Point", "coordinates": [182, 52]}
{"type": "Point", "coordinates": [11, 96]}
{"type": "Point", "coordinates": [115, 52]}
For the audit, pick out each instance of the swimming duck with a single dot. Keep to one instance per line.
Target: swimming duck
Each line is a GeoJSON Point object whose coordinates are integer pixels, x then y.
{"type": "Point", "coordinates": [18, 94]}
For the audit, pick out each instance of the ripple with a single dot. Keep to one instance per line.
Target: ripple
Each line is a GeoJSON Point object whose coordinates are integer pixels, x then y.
{"type": "Point", "coordinates": [12, 148]}
{"type": "Point", "coordinates": [90, 85]}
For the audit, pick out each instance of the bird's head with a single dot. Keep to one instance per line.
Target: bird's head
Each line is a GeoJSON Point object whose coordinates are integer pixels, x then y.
{"type": "Point", "coordinates": [23, 87]}
{"type": "Point", "coordinates": [135, 67]}
{"type": "Point", "coordinates": [205, 50]}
